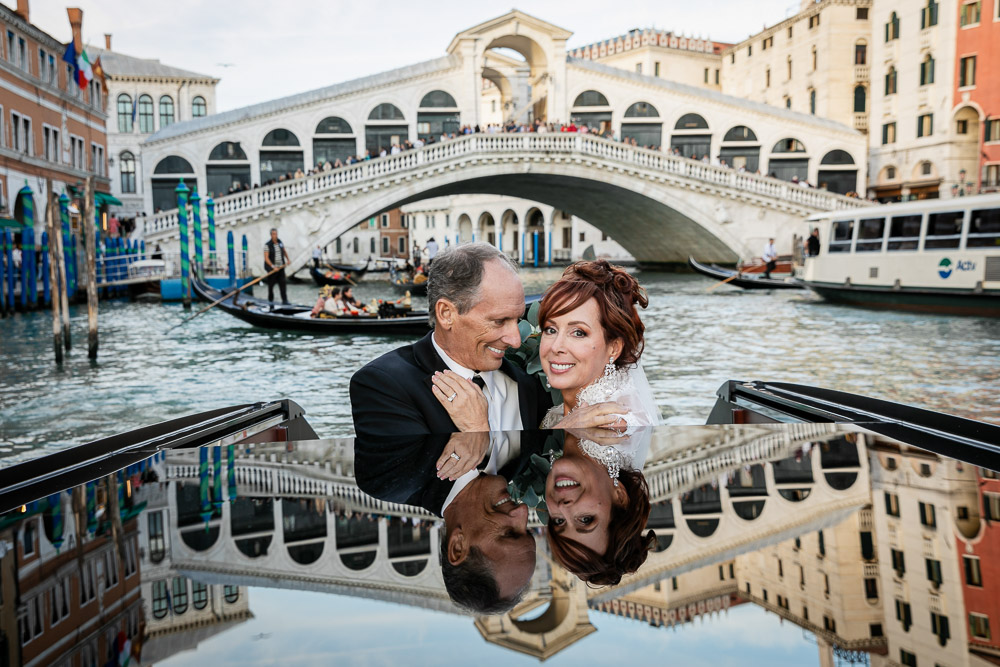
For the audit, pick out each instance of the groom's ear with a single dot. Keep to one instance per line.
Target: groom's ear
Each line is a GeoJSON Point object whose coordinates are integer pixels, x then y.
{"type": "Point", "coordinates": [445, 312]}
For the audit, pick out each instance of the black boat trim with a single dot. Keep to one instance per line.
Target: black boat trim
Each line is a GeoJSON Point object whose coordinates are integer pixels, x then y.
{"type": "Point", "coordinates": [743, 280]}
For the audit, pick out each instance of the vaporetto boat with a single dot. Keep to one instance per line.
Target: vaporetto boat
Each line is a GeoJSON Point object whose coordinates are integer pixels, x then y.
{"type": "Point", "coordinates": [937, 255]}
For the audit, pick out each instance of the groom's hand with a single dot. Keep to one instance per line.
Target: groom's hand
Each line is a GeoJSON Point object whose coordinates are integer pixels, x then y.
{"type": "Point", "coordinates": [465, 402]}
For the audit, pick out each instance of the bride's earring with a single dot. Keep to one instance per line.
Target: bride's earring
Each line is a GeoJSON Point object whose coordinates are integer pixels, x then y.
{"type": "Point", "coordinates": [609, 368]}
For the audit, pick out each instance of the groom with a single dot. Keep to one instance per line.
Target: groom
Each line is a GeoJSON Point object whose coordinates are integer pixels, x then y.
{"type": "Point", "coordinates": [475, 299]}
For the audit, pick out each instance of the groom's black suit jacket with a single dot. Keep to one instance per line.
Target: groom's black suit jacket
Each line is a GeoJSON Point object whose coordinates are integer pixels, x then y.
{"type": "Point", "coordinates": [392, 394]}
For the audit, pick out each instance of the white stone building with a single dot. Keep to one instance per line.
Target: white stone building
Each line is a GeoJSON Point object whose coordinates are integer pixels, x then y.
{"type": "Point", "coordinates": [144, 96]}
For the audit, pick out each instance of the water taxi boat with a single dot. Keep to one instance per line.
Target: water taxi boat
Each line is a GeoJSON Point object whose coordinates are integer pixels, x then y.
{"type": "Point", "coordinates": [940, 256]}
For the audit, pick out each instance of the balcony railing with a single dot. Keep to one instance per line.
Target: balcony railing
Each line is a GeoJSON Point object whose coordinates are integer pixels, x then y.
{"type": "Point", "coordinates": [861, 73]}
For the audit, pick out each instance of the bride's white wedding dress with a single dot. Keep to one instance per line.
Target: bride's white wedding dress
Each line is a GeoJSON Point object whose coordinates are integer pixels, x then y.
{"type": "Point", "coordinates": [627, 386]}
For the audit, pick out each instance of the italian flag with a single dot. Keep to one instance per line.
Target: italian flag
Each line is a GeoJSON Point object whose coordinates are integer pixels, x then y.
{"type": "Point", "coordinates": [82, 70]}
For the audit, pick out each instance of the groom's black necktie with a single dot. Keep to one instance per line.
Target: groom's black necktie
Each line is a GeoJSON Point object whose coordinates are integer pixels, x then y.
{"type": "Point", "coordinates": [479, 381]}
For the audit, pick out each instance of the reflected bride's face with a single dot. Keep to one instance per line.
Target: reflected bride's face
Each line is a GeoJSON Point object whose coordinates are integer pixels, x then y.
{"type": "Point", "coordinates": [580, 497]}
{"type": "Point", "coordinates": [573, 350]}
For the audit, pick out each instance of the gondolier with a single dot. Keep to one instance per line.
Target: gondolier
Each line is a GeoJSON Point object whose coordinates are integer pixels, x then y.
{"type": "Point", "coordinates": [275, 255]}
{"type": "Point", "coordinates": [770, 257]}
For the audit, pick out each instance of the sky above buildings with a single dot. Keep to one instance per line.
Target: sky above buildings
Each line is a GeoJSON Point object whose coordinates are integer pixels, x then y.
{"type": "Point", "coordinates": [266, 49]}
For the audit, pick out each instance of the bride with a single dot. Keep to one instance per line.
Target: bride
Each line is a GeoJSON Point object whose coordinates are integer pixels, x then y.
{"type": "Point", "coordinates": [597, 500]}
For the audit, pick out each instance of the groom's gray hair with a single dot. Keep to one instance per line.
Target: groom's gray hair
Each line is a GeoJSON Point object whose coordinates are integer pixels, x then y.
{"type": "Point", "coordinates": [457, 275]}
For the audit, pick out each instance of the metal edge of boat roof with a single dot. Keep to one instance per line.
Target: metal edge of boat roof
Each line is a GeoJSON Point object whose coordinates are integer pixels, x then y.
{"type": "Point", "coordinates": [916, 206]}
{"type": "Point", "coordinates": [314, 96]}
{"type": "Point", "coordinates": [713, 95]}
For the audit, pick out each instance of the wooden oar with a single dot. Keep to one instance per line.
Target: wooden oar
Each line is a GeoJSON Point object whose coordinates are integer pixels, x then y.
{"type": "Point", "coordinates": [228, 294]}
{"type": "Point", "coordinates": [723, 282]}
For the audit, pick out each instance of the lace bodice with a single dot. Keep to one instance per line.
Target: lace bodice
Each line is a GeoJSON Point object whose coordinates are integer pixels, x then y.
{"type": "Point", "coordinates": [618, 386]}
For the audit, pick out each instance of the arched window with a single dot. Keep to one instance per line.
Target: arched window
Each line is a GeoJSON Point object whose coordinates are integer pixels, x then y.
{"type": "Point", "coordinates": [860, 98]}
{"type": "Point", "coordinates": [591, 98]}
{"type": "Point", "coordinates": [145, 114]}
{"type": "Point", "coordinates": [890, 80]}
{"type": "Point", "coordinates": [892, 28]}
{"type": "Point", "coordinates": [642, 110]}
{"type": "Point", "coordinates": [227, 150]}
{"type": "Point", "coordinates": [438, 98]}
{"type": "Point", "coordinates": [386, 111]}
{"type": "Point", "coordinates": [334, 125]}
{"type": "Point", "coordinates": [126, 165]}
{"type": "Point", "coordinates": [740, 133]}
{"type": "Point", "coordinates": [124, 113]}
{"type": "Point", "coordinates": [691, 121]}
{"type": "Point", "coordinates": [280, 137]}
{"type": "Point", "coordinates": [160, 599]}
{"type": "Point", "coordinates": [198, 107]}
{"type": "Point", "coordinates": [180, 595]}
{"type": "Point", "coordinates": [166, 111]}
{"type": "Point", "coordinates": [837, 157]}
{"type": "Point", "coordinates": [861, 53]}
{"type": "Point", "coordinates": [166, 175]}
{"type": "Point", "coordinates": [789, 146]}
{"type": "Point", "coordinates": [231, 593]}
{"type": "Point", "coordinates": [173, 164]}
{"type": "Point", "coordinates": [927, 70]}
{"type": "Point", "coordinates": [929, 15]}
{"type": "Point", "coordinates": [199, 595]}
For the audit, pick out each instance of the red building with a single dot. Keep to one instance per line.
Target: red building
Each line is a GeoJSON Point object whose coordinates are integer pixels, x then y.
{"type": "Point", "coordinates": [979, 562]}
{"type": "Point", "coordinates": [977, 86]}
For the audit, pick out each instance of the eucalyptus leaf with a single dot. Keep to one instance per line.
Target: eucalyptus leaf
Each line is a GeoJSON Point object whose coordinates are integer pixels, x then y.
{"type": "Point", "coordinates": [533, 313]}
{"type": "Point", "coordinates": [524, 328]}
{"type": "Point", "coordinates": [531, 498]}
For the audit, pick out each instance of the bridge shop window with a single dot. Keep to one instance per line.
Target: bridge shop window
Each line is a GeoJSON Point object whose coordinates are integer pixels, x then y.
{"type": "Point", "coordinates": [591, 108]}
{"type": "Point", "coordinates": [841, 235]}
{"type": "Point", "coordinates": [837, 172]}
{"type": "Point", "coordinates": [384, 129]}
{"type": "Point", "coordinates": [904, 232]}
{"type": "Point", "coordinates": [125, 113]}
{"type": "Point", "coordinates": [198, 107]}
{"type": "Point", "coordinates": [870, 233]}
{"type": "Point", "coordinates": [167, 174]}
{"type": "Point", "coordinates": [787, 162]}
{"type": "Point", "coordinates": [644, 125]}
{"type": "Point", "coordinates": [280, 155]}
{"type": "Point", "coordinates": [443, 120]}
{"type": "Point", "coordinates": [334, 141]}
{"type": "Point", "coordinates": [228, 169]}
{"type": "Point", "coordinates": [690, 136]}
{"type": "Point", "coordinates": [984, 228]}
{"type": "Point", "coordinates": [740, 148]}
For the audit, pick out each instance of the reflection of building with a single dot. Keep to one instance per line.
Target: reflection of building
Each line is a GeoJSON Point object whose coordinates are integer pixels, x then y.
{"type": "Point", "coordinates": [978, 556]}
{"type": "Point", "coordinates": [144, 96]}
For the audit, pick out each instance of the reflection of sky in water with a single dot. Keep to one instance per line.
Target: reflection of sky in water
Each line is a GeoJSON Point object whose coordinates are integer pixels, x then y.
{"type": "Point", "coordinates": [695, 341]}
{"type": "Point", "coordinates": [319, 629]}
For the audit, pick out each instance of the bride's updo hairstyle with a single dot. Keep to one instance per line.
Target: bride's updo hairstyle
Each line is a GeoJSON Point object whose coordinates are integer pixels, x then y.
{"type": "Point", "coordinates": [617, 294]}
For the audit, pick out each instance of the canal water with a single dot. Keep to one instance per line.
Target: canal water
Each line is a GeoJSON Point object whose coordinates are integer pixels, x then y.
{"type": "Point", "coordinates": [695, 341]}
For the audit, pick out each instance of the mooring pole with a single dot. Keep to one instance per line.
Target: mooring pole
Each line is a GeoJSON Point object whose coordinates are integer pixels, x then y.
{"type": "Point", "coordinates": [53, 264]}
{"type": "Point", "coordinates": [196, 232]}
{"type": "Point", "coordinates": [182, 226]}
{"type": "Point", "coordinates": [210, 212]}
{"type": "Point", "coordinates": [90, 244]}
{"type": "Point", "coordinates": [62, 266]}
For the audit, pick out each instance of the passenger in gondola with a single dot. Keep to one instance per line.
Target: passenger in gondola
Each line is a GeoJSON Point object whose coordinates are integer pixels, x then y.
{"type": "Point", "coordinates": [329, 303]}
{"type": "Point", "coordinates": [347, 296]}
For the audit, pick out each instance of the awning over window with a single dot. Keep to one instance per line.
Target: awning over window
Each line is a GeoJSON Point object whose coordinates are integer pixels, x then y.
{"type": "Point", "coordinates": [101, 198]}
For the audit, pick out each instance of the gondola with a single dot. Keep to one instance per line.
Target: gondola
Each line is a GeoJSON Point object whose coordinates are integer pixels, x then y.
{"type": "Point", "coordinates": [401, 282]}
{"type": "Point", "coordinates": [751, 281]}
{"type": "Point", "coordinates": [339, 277]}
{"type": "Point", "coordinates": [293, 317]}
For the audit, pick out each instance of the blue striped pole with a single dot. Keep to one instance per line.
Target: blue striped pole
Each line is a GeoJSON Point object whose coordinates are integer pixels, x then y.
{"type": "Point", "coordinates": [210, 212]}
{"type": "Point", "coordinates": [231, 470]}
{"type": "Point", "coordinates": [10, 269]}
{"type": "Point", "coordinates": [3, 273]}
{"type": "Point", "coordinates": [246, 254]}
{"type": "Point", "coordinates": [522, 248]}
{"type": "Point", "coordinates": [46, 288]}
{"type": "Point", "coordinates": [206, 503]}
{"type": "Point", "coordinates": [182, 223]}
{"type": "Point", "coordinates": [24, 270]}
{"type": "Point", "coordinates": [68, 250]}
{"type": "Point", "coordinates": [196, 230]}
{"type": "Point", "coordinates": [28, 243]}
{"type": "Point", "coordinates": [548, 250]}
{"type": "Point", "coordinates": [217, 482]}
{"type": "Point", "coordinates": [534, 236]}
{"type": "Point", "coordinates": [232, 257]}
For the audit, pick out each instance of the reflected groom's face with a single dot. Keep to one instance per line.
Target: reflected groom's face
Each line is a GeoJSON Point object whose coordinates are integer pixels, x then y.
{"type": "Point", "coordinates": [478, 338]}
{"type": "Point", "coordinates": [491, 521]}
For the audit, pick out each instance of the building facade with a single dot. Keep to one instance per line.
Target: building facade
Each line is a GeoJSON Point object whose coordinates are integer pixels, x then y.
{"type": "Point", "coordinates": [50, 128]}
{"type": "Point", "coordinates": [145, 96]}
{"type": "Point", "coordinates": [977, 94]}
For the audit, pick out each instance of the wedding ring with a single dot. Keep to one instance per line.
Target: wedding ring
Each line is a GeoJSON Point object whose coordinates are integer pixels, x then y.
{"type": "Point", "coordinates": [452, 397]}
{"type": "Point", "coordinates": [456, 456]}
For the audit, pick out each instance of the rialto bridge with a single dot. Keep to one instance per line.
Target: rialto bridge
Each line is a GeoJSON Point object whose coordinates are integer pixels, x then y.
{"type": "Point", "coordinates": [659, 206]}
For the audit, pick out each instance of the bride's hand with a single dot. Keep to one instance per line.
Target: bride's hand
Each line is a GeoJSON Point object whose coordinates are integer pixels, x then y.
{"type": "Point", "coordinates": [467, 406]}
{"type": "Point", "coordinates": [470, 449]}
{"type": "Point", "coordinates": [600, 436]}
{"type": "Point", "coordinates": [599, 415]}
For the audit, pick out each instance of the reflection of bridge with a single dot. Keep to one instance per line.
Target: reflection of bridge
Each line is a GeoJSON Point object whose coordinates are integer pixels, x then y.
{"type": "Point", "coordinates": [660, 208]}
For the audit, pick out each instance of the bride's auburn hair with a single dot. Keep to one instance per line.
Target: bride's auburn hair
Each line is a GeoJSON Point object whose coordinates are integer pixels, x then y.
{"type": "Point", "coordinates": [617, 294]}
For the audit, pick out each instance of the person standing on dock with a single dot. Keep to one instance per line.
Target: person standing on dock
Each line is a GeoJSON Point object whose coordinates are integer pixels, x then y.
{"type": "Point", "coordinates": [432, 250]}
{"type": "Point", "coordinates": [770, 257]}
{"type": "Point", "coordinates": [275, 255]}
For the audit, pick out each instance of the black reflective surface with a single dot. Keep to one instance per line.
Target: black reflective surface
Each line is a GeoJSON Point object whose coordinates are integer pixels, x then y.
{"type": "Point", "coordinates": [804, 544]}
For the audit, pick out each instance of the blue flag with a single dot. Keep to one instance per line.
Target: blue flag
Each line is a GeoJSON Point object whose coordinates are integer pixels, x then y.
{"type": "Point", "coordinates": [70, 57]}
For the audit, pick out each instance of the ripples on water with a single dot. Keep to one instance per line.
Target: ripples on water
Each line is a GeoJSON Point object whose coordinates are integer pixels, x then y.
{"type": "Point", "coordinates": [694, 342]}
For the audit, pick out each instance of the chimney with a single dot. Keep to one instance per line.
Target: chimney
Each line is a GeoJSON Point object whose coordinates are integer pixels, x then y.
{"type": "Point", "coordinates": [76, 21]}
{"type": "Point", "coordinates": [23, 10]}
{"type": "Point", "coordinates": [107, 41]}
